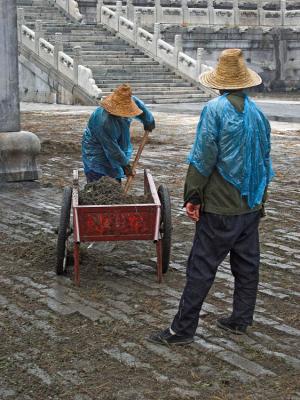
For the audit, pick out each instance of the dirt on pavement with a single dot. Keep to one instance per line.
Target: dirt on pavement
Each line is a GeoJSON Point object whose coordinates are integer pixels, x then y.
{"type": "Point", "coordinates": [64, 342]}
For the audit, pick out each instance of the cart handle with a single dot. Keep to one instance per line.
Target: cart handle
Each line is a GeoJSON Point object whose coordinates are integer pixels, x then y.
{"type": "Point", "coordinates": [136, 160]}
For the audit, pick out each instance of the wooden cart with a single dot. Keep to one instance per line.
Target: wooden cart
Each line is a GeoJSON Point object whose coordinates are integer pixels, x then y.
{"type": "Point", "coordinates": [93, 223]}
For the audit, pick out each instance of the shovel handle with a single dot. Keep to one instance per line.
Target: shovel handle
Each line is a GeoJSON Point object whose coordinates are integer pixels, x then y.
{"type": "Point", "coordinates": [136, 160]}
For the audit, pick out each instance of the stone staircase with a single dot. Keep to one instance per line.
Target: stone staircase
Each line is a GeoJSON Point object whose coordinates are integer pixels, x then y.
{"type": "Point", "coordinates": [112, 60]}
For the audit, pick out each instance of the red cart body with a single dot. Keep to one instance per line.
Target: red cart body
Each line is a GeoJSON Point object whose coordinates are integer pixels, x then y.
{"type": "Point", "coordinates": [93, 223]}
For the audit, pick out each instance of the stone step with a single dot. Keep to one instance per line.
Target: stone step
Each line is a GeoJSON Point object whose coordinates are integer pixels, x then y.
{"type": "Point", "coordinates": [132, 81]}
{"type": "Point", "coordinates": [100, 48]}
{"type": "Point", "coordinates": [177, 100]}
{"type": "Point", "coordinates": [120, 61]}
{"type": "Point", "coordinates": [115, 55]}
{"type": "Point", "coordinates": [159, 89]}
{"type": "Point", "coordinates": [104, 62]}
{"type": "Point", "coordinates": [150, 93]}
{"type": "Point", "coordinates": [44, 13]}
{"type": "Point", "coordinates": [199, 95]}
{"type": "Point", "coordinates": [82, 38]}
{"type": "Point", "coordinates": [113, 43]}
{"type": "Point", "coordinates": [136, 69]}
{"type": "Point", "coordinates": [128, 78]}
{"type": "Point", "coordinates": [146, 85]}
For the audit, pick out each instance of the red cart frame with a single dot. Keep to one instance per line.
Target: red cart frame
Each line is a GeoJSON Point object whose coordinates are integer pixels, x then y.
{"type": "Point", "coordinates": [94, 223]}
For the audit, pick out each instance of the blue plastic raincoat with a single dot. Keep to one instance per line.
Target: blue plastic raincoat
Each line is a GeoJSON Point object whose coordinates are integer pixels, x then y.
{"type": "Point", "coordinates": [237, 144]}
{"type": "Point", "coordinates": [106, 146]}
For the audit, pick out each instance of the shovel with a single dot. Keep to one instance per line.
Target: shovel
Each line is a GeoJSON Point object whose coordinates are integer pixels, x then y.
{"type": "Point", "coordinates": [136, 160]}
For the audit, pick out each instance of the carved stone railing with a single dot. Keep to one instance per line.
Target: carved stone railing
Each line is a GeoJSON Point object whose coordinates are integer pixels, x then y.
{"type": "Point", "coordinates": [70, 6]}
{"type": "Point", "coordinates": [56, 58]}
{"type": "Point", "coordinates": [151, 43]}
{"type": "Point", "coordinates": [210, 12]}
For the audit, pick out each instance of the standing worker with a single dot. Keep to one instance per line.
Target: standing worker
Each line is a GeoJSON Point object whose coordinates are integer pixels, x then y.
{"type": "Point", "coordinates": [106, 145]}
{"type": "Point", "coordinates": [225, 190]}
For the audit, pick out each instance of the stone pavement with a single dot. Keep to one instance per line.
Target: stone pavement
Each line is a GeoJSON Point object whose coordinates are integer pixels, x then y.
{"type": "Point", "coordinates": [64, 342]}
{"type": "Point", "coordinates": [284, 110]}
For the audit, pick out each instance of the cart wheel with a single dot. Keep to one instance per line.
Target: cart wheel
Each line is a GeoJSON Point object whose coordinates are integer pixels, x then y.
{"type": "Point", "coordinates": [63, 232]}
{"type": "Point", "coordinates": [165, 226]}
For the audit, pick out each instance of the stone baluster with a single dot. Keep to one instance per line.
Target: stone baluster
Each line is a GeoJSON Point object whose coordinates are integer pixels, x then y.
{"type": "Point", "coordinates": [68, 6]}
{"type": "Point", "coordinates": [77, 60]}
{"type": "Point", "coordinates": [158, 11]}
{"type": "Point", "coordinates": [118, 12]}
{"type": "Point", "coordinates": [199, 60]}
{"type": "Point", "coordinates": [185, 12]}
{"type": "Point", "coordinates": [137, 23]}
{"type": "Point", "coordinates": [236, 13]}
{"type": "Point", "coordinates": [210, 6]}
{"type": "Point", "coordinates": [58, 46]}
{"type": "Point", "coordinates": [283, 10]}
{"type": "Point", "coordinates": [38, 35]}
{"type": "Point", "coordinates": [20, 23]}
{"type": "Point", "coordinates": [98, 11]}
{"type": "Point", "coordinates": [156, 36]}
{"type": "Point", "coordinates": [130, 10]}
{"type": "Point", "coordinates": [177, 48]}
{"type": "Point", "coordinates": [260, 12]}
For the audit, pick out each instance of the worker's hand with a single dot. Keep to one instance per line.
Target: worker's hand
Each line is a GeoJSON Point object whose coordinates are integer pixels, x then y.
{"type": "Point", "coordinates": [193, 211]}
{"type": "Point", "coordinates": [128, 170]}
{"type": "Point", "coordinates": [150, 127]}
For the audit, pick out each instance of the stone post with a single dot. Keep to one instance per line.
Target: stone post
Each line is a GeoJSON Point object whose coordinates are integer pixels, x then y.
{"type": "Point", "coordinates": [156, 36]}
{"type": "Point", "coordinates": [77, 60]}
{"type": "Point", "coordinates": [20, 23]}
{"type": "Point", "coordinates": [199, 61]}
{"type": "Point", "coordinates": [210, 7]}
{"type": "Point", "coordinates": [118, 12]}
{"type": "Point", "coordinates": [38, 34]}
{"type": "Point", "coordinates": [68, 6]}
{"type": "Point", "coordinates": [18, 149]}
{"type": "Point", "coordinates": [58, 46]}
{"type": "Point", "coordinates": [236, 13]}
{"type": "Point", "coordinates": [98, 11]}
{"type": "Point", "coordinates": [283, 10]}
{"type": "Point", "coordinates": [177, 48]}
{"type": "Point", "coordinates": [158, 11]}
{"type": "Point", "coordinates": [130, 10]}
{"type": "Point", "coordinates": [137, 23]}
{"type": "Point", "coordinates": [185, 12]}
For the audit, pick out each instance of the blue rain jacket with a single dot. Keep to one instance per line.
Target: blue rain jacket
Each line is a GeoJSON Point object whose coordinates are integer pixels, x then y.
{"type": "Point", "coordinates": [106, 146]}
{"type": "Point", "coordinates": [237, 144]}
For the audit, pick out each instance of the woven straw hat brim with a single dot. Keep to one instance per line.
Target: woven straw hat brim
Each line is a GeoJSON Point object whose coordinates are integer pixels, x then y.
{"type": "Point", "coordinates": [120, 110]}
{"type": "Point", "coordinates": [212, 80]}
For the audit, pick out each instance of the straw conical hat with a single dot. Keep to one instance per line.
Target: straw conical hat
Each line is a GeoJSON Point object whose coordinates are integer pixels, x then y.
{"type": "Point", "coordinates": [230, 73]}
{"type": "Point", "coordinates": [120, 103]}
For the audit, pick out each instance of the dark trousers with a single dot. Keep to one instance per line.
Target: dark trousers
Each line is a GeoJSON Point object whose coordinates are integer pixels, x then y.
{"type": "Point", "coordinates": [216, 236]}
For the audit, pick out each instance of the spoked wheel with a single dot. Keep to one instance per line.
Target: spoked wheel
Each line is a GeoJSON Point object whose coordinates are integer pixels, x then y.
{"type": "Point", "coordinates": [165, 226]}
{"type": "Point", "coordinates": [63, 232]}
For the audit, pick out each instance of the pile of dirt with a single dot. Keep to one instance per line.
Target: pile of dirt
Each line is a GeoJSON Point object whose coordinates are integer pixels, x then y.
{"type": "Point", "coordinates": [37, 254]}
{"type": "Point", "coordinates": [55, 147]}
{"type": "Point", "coordinates": [108, 191]}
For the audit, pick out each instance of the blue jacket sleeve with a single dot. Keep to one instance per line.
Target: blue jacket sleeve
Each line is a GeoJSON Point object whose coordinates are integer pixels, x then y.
{"type": "Point", "coordinates": [109, 142]}
{"type": "Point", "coordinates": [146, 118]}
{"type": "Point", "coordinates": [204, 153]}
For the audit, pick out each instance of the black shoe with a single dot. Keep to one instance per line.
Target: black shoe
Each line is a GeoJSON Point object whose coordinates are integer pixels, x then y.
{"type": "Point", "coordinates": [228, 325]}
{"type": "Point", "coordinates": [166, 337]}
